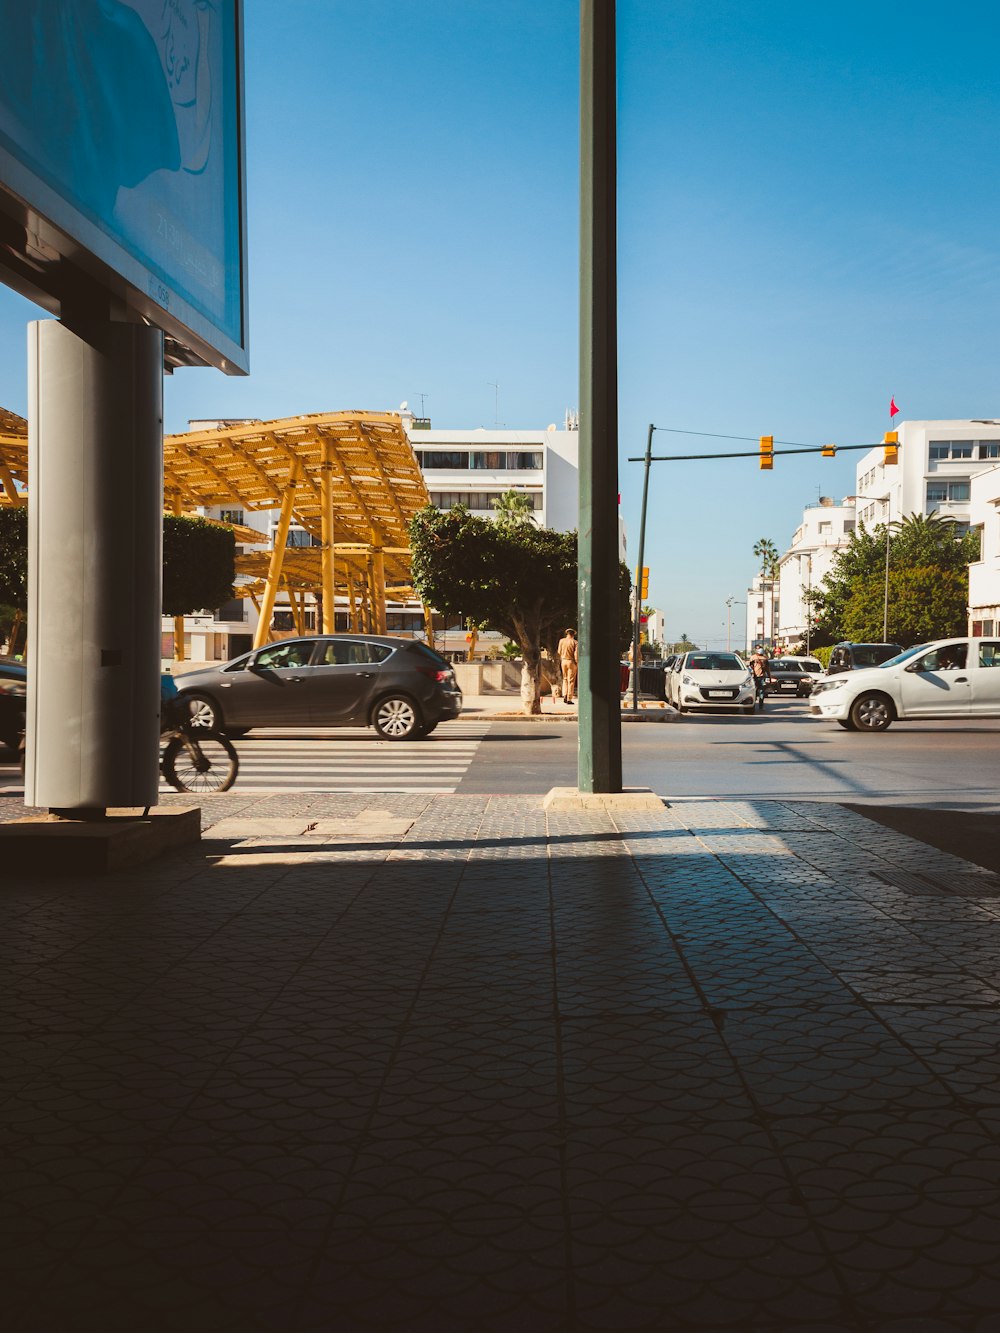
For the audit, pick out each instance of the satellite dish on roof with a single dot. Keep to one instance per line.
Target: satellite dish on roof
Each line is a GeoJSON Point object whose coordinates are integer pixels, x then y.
{"type": "Point", "coordinates": [404, 406]}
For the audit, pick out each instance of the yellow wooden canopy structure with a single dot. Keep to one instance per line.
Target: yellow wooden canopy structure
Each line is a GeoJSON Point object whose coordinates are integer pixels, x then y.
{"type": "Point", "coordinates": [13, 458]}
{"type": "Point", "coordinates": [350, 479]}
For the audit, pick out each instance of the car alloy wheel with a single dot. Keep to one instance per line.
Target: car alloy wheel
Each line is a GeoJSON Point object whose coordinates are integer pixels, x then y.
{"type": "Point", "coordinates": [396, 719]}
{"type": "Point", "coordinates": [204, 713]}
{"type": "Point", "coordinates": [871, 712]}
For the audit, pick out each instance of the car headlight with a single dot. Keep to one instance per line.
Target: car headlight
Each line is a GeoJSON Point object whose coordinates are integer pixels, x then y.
{"type": "Point", "coordinates": [821, 686]}
{"type": "Point", "coordinates": [686, 680]}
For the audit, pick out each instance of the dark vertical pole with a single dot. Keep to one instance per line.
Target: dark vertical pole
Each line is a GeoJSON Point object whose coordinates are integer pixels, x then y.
{"type": "Point", "coordinates": [636, 622]}
{"type": "Point", "coordinates": [599, 758]}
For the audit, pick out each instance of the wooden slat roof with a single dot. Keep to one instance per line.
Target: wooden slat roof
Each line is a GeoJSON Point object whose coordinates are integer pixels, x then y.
{"type": "Point", "coordinates": [377, 483]}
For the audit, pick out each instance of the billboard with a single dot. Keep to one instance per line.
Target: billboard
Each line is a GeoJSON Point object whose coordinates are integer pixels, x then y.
{"type": "Point", "coordinates": [121, 126]}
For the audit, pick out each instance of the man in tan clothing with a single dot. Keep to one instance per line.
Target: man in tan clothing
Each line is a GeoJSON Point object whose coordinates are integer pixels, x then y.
{"type": "Point", "coordinates": [568, 660]}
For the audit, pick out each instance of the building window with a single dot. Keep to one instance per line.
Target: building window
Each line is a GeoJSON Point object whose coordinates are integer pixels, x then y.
{"type": "Point", "coordinates": [989, 449]}
{"type": "Point", "coordinates": [299, 537]}
{"type": "Point", "coordinates": [848, 524]}
{"type": "Point", "coordinates": [455, 460]}
{"type": "Point", "coordinates": [232, 610]}
{"type": "Point", "coordinates": [947, 492]}
{"type": "Point", "coordinates": [231, 516]}
{"type": "Point", "coordinates": [478, 499]}
{"type": "Point", "coordinates": [938, 449]}
{"type": "Point", "coordinates": [488, 461]}
{"type": "Point", "coordinates": [825, 527]}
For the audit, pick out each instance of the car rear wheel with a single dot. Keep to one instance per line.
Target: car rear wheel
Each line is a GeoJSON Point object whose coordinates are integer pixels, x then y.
{"type": "Point", "coordinates": [396, 719]}
{"type": "Point", "coordinates": [872, 712]}
{"type": "Point", "coordinates": [204, 712]}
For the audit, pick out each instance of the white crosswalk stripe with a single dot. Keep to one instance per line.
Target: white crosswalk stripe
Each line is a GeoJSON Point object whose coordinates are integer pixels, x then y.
{"type": "Point", "coordinates": [354, 759]}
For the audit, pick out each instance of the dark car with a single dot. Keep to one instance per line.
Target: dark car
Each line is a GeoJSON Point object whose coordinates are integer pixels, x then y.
{"type": "Point", "coordinates": [793, 675]}
{"type": "Point", "coordinates": [13, 701]}
{"type": "Point", "coordinates": [398, 686]}
{"type": "Point", "coordinates": [856, 656]}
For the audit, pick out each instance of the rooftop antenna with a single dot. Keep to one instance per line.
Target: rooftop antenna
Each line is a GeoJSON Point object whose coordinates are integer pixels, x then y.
{"type": "Point", "coordinates": [422, 396]}
{"type": "Point", "coordinates": [496, 405]}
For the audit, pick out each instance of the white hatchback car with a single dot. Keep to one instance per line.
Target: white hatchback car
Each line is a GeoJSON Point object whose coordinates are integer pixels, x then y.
{"type": "Point", "coordinates": [705, 679]}
{"type": "Point", "coordinates": [949, 678]}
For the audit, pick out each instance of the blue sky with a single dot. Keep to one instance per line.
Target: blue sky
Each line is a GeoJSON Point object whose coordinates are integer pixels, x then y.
{"type": "Point", "coordinates": [807, 225]}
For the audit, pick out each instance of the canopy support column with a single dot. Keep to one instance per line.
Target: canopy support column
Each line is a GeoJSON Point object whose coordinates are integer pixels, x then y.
{"type": "Point", "coordinates": [378, 584]}
{"type": "Point", "coordinates": [277, 558]}
{"type": "Point", "coordinates": [326, 536]}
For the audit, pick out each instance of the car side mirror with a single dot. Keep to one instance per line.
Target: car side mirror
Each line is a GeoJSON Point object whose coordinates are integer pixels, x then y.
{"type": "Point", "coordinates": [914, 668]}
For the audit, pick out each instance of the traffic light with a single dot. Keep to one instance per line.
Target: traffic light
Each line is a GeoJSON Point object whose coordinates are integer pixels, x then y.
{"type": "Point", "coordinates": [766, 453]}
{"type": "Point", "coordinates": [890, 448]}
{"type": "Point", "coordinates": [644, 584]}
{"type": "Point", "coordinates": [828, 451]}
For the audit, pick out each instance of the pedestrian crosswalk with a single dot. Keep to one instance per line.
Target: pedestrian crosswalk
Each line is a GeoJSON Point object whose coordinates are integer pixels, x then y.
{"type": "Point", "coordinates": [355, 759]}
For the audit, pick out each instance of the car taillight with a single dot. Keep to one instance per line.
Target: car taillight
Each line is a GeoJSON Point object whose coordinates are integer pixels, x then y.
{"type": "Point", "coordinates": [432, 673]}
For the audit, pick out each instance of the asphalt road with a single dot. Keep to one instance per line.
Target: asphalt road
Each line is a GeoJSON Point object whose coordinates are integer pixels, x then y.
{"type": "Point", "coordinates": [781, 752]}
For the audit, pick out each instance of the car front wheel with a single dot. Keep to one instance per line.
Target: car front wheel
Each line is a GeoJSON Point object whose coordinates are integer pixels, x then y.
{"type": "Point", "coordinates": [872, 712]}
{"type": "Point", "coordinates": [396, 719]}
{"type": "Point", "coordinates": [204, 712]}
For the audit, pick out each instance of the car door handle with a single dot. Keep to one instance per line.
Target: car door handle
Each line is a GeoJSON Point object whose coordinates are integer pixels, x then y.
{"type": "Point", "coordinates": [961, 680]}
{"type": "Point", "coordinates": [367, 675]}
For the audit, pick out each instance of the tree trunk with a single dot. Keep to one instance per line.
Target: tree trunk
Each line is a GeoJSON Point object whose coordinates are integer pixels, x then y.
{"type": "Point", "coordinates": [531, 680]}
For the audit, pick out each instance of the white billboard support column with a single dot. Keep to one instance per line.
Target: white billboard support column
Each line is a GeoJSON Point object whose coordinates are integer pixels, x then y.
{"type": "Point", "coordinates": [95, 517]}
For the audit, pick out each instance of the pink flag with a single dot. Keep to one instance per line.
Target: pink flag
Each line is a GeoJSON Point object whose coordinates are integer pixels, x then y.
{"type": "Point", "coordinates": [893, 409]}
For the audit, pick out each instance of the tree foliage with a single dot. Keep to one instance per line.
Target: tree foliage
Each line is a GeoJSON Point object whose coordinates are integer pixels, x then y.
{"type": "Point", "coordinates": [512, 577]}
{"type": "Point", "coordinates": [923, 604]}
{"type": "Point", "coordinates": [198, 564]}
{"type": "Point", "coordinates": [14, 557]}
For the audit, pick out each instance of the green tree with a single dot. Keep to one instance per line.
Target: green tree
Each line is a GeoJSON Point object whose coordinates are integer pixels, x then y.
{"type": "Point", "coordinates": [924, 603]}
{"type": "Point", "coordinates": [515, 578]}
{"type": "Point", "coordinates": [198, 562]}
{"type": "Point", "coordinates": [917, 543]}
{"type": "Point", "coordinates": [513, 507]}
{"type": "Point", "coordinates": [14, 557]}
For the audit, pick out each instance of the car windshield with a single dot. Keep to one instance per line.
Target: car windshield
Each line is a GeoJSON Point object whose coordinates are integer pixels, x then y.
{"type": "Point", "coordinates": [714, 662]}
{"type": "Point", "coordinates": [904, 656]}
{"type": "Point", "coordinates": [872, 654]}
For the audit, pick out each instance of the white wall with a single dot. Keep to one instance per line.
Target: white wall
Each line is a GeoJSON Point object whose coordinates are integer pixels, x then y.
{"type": "Point", "coordinates": [984, 574]}
{"type": "Point", "coordinates": [897, 490]}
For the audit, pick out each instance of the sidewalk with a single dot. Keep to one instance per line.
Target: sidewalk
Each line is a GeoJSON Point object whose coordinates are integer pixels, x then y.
{"type": "Point", "coordinates": [453, 1064]}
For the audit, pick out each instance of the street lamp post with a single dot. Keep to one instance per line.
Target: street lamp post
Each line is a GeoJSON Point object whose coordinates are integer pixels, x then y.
{"type": "Point", "coordinates": [730, 603]}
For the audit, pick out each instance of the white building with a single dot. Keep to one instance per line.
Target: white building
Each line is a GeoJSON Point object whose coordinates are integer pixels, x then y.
{"type": "Point", "coordinates": [763, 611]}
{"type": "Point", "coordinates": [825, 529]}
{"type": "Point", "coordinates": [475, 467]}
{"type": "Point", "coordinates": [984, 573]}
{"type": "Point", "coordinates": [937, 460]}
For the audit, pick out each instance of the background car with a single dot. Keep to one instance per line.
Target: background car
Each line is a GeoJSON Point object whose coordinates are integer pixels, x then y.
{"type": "Point", "coordinates": [949, 678]}
{"type": "Point", "coordinates": [706, 679]}
{"type": "Point", "coordinates": [793, 675]}
{"type": "Point", "coordinates": [856, 656]}
{"type": "Point", "coordinates": [13, 701]}
{"type": "Point", "coordinates": [400, 687]}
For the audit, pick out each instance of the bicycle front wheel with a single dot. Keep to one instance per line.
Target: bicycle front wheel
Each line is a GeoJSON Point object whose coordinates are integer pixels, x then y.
{"type": "Point", "coordinates": [200, 763]}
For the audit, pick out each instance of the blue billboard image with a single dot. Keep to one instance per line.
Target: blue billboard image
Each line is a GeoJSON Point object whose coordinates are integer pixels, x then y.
{"type": "Point", "coordinates": [120, 123]}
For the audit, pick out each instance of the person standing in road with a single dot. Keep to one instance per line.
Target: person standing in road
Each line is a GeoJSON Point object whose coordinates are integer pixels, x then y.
{"type": "Point", "coordinates": [761, 673]}
{"type": "Point", "coordinates": [569, 661]}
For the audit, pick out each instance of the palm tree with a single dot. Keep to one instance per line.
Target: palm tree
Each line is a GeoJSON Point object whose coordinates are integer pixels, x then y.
{"type": "Point", "coordinates": [767, 553]}
{"type": "Point", "coordinates": [514, 507]}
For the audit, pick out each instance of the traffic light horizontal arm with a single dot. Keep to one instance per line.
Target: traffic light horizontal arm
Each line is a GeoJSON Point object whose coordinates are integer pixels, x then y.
{"type": "Point", "coordinates": [750, 453]}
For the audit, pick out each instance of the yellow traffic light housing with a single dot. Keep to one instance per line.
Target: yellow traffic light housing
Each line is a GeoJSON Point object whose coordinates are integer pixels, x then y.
{"type": "Point", "coordinates": [828, 451]}
{"type": "Point", "coordinates": [644, 584]}
{"type": "Point", "coordinates": [890, 448]}
{"type": "Point", "coordinates": [766, 453]}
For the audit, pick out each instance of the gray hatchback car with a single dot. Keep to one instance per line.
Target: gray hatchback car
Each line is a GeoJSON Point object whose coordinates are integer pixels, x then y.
{"type": "Point", "coordinates": [400, 687]}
